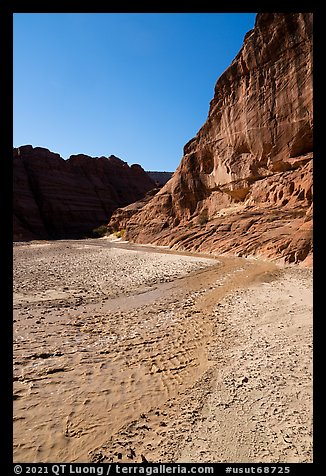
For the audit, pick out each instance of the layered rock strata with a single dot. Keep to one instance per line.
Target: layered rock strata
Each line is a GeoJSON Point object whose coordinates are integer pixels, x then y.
{"type": "Point", "coordinates": [57, 198]}
{"type": "Point", "coordinates": [244, 184]}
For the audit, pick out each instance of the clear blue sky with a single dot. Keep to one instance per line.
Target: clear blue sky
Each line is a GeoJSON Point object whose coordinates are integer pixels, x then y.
{"type": "Point", "coordinates": [134, 85]}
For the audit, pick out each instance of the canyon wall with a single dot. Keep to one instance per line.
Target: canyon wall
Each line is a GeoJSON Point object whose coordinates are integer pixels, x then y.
{"type": "Point", "coordinates": [160, 178]}
{"type": "Point", "coordinates": [244, 184]}
{"type": "Point", "coordinates": [56, 198]}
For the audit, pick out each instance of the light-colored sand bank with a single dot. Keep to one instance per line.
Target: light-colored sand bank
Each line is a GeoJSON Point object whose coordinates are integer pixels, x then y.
{"type": "Point", "coordinates": [120, 353]}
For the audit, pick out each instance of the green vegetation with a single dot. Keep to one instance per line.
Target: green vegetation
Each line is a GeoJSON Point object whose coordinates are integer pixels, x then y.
{"type": "Point", "coordinates": [100, 231]}
{"type": "Point", "coordinates": [120, 233]}
{"type": "Point", "coordinates": [203, 217]}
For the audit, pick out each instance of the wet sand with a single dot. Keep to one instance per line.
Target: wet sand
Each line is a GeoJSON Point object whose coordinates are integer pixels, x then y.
{"type": "Point", "coordinates": [123, 352]}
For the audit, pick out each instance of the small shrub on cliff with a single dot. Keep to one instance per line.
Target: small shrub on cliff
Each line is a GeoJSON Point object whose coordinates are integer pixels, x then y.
{"type": "Point", "coordinates": [203, 217]}
{"type": "Point", "coordinates": [100, 231]}
{"type": "Point", "coordinates": [120, 233]}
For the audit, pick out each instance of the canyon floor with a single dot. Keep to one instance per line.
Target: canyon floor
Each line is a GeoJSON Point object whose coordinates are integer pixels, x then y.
{"type": "Point", "coordinates": [129, 353]}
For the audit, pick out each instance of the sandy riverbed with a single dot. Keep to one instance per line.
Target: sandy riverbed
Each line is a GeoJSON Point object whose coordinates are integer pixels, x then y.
{"type": "Point", "coordinates": [122, 351]}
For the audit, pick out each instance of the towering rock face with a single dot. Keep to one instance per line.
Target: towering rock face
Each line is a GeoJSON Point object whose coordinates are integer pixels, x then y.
{"type": "Point", "coordinates": [57, 198]}
{"type": "Point", "coordinates": [244, 184]}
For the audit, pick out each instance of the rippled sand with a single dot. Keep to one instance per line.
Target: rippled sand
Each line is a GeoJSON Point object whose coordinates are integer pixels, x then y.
{"type": "Point", "coordinates": [123, 352]}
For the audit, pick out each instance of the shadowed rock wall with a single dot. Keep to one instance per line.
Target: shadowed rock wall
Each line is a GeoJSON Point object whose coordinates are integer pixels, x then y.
{"type": "Point", "coordinates": [57, 198]}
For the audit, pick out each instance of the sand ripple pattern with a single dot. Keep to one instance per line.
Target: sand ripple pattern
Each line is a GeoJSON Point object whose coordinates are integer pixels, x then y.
{"type": "Point", "coordinates": [95, 345]}
{"type": "Point", "coordinates": [130, 354]}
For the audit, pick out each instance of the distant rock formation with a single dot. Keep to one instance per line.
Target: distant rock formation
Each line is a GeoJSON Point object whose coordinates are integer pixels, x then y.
{"type": "Point", "coordinates": [244, 184]}
{"type": "Point", "coordinates": [56, 198]}
{"type": "Point", "coordinates": [160, 178]}
{"type": "Point", "coordinates": [121, 216]}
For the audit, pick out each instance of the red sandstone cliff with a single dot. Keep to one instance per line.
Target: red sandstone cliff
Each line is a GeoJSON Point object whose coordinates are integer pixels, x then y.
{"type": "Point", "coordinates": [244, 184]}
{"type": "Point", "coordinates": [57, 198]}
